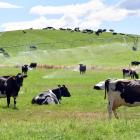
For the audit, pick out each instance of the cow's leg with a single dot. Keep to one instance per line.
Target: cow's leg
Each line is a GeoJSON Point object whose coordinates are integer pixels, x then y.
{"type": "Point", "coordinates": [110, 105]}
{"type": "Point", "coordinates": [115, 114]}
{"type": "Point", "coordinates": [123, 75]}
{"type": "Point", "coordinates": [8, 101]}
{"type": "Point", "coordinates": [15, 102]}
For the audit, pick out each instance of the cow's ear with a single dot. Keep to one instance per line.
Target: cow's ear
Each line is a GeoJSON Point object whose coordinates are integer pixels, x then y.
{"type": "Point", "coordinates": [64, 86]}
{"type": "Point", "coordinates": [59, 85]}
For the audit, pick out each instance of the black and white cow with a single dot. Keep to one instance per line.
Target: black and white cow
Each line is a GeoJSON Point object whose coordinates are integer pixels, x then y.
{"type": "Point", "coordinates": [121, 92]}
{"type": "Point", "coordinates": [130, 73]}
{"type": "Point", "coordinates": [10, 86]}
{"type": "Point", "coordinates": [82, 68]}
{"type": "Point", "coordinates": [24, 69]}
{"type": "Point", "coordinates": [51, 96]}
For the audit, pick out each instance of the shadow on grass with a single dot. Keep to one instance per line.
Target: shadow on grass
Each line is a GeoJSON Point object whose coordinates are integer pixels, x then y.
{"type": "Point", "coordinates": [6, 107]}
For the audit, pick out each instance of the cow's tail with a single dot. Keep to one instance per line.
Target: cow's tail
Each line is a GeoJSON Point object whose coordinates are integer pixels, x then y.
{"type": "Point", "coordinates": [106, 87]}
{"type": "Point", "coordinates": [136, 75]}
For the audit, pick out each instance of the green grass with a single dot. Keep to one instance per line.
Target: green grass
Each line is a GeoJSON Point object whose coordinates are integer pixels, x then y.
{"type": "Point", "coordinates": [82, 116]}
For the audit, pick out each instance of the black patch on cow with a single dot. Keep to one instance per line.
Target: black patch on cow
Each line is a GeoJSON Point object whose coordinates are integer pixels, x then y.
{"type": "Point", "coordinates": [106, 87]}
{"type": "Point", "coordinates": [61, 91]}
{"type": "Point", "coordinates": [130, 91]}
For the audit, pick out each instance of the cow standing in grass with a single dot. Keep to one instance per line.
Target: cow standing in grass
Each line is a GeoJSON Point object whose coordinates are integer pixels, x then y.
{"type": "Point", "coordinates": [121, 92]}
{"type": "Point", "coordinates": [131, 73]}
{"type": "Point", "coordinates": [24, 69]}
{"type": "Point", "coordinates": [10, 86]}
{"type": "Point", "coordinates": [82, 68]}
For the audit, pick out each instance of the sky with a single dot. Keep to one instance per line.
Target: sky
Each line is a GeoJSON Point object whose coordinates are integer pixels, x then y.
{"type": "Point", "coordinates": [121, 15]}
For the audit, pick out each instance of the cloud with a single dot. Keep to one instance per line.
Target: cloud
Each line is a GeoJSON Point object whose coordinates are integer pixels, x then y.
{"type": "Point", "coordinates": [77, 9]}
{"type": "Point", "coordinates": [42, 22]}
{"type": "Point", "coordinates": [38, 23]}
{"type": "Point", "coordinates": [129, 4]}
{"type": "Point", "coordinates": [5, 5]}
{"type": "Point", "coordinates": [91, 14]}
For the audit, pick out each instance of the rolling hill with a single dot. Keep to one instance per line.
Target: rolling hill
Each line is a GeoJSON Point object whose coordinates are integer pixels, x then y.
{"type": "Point", "coordinates": [55, 47]}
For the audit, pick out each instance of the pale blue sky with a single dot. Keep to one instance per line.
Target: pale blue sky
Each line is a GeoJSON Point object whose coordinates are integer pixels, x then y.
{"type": "Point", "coordinates": [120, 15]}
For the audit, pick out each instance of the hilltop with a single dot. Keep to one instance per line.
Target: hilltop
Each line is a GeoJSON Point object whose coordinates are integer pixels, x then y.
{"type": "Point", "coordinates": [58, 47]}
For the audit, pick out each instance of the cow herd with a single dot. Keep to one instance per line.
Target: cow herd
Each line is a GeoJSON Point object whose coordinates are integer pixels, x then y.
{"type": "Point", "coordinates": [10, 87]}
{"type": "Point", "coordinates": [119, 91]}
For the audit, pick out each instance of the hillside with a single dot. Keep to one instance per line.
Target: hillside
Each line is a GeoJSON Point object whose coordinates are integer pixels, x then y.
{"type": "Point", "coordinates": [57, 47]}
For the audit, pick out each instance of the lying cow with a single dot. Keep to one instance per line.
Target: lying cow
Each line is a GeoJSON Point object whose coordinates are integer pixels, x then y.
{"type": "Point", "coordinates": [120, 92]}
{"type": "Point", "coordinates": [10, 86]}
{"type": "Point", "coordinates": [51, 96]}
{"type": "Point", "coordinates": [129, 72]}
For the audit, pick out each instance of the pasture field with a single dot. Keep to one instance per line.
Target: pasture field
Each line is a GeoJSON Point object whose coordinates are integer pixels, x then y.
{"type": "Point", "coordinates": [83, 116]}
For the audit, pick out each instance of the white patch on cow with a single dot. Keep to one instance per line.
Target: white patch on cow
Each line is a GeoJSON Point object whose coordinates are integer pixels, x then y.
{"type": "Point", "coordinates": [30, 68]}
{"type": "Point", "coordinates": [49, 100]}
{"type": "Point", "coordinates": [2, 95]}
{"type": "Point", "coordinates": [36, 97]}
{"type": "Point", "coordinates": [101, 85]}
{"type": "Point", "coordinates": [127, 74]}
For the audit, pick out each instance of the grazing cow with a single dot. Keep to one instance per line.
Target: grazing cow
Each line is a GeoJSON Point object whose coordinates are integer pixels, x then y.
{"type": "Point", "coordinates": [33, 47]}
{"type": "Point", "coordinates": [33, 65]}
{"type": "Point", "coordinates": [121, 92]}
{"type": "Point", "coordinates": [87, 31]}
{"type": "Point", "coordinates": [24, 32]}
{"type": "Point", "coordinates": [24, 69]}
{"type": "Point", "coordinates": [77, 29]}
{"type": "Point", "coordinates": [104, 30]}
{"type": "Point", "coordinates": [114, 33]}
{"type": "Point", "coordinates": [129, 72]}
{"type": "Point", "coordinates": [111, 30]}
{"type": "Point", "coordinates": [135, 63]}
{"type": "Point", "coordinates": [51, 96]}
{"type": "Point", "coordinates": [82, 68]}
{"type": "Point", "coordinates": [49, 28]}
{"type": "Point", "coordinates": [10, 86]}
{"type": "Point", "coordinates": [122, 34]}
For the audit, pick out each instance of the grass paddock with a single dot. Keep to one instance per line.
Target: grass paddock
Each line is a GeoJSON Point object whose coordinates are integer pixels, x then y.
{"type": "Point", "coordinates": [81, 116]}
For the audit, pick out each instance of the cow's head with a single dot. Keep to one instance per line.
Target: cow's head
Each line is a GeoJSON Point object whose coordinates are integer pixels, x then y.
{"type": "Point", "coordinates": [19, 79]}
{"type": "Point", "coordinates": [64, 91]}
{"type": "Point", "coordinates": [100, 86]}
